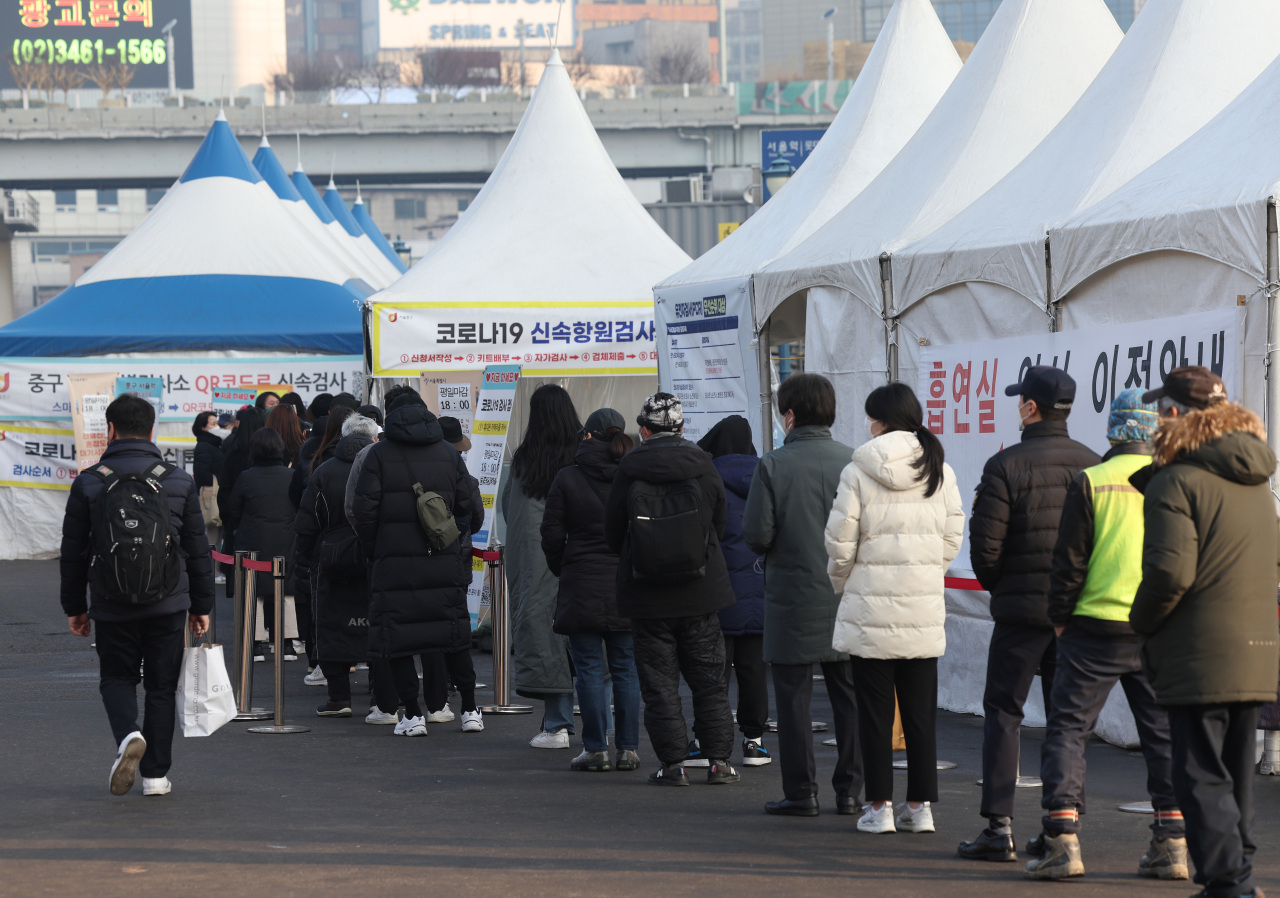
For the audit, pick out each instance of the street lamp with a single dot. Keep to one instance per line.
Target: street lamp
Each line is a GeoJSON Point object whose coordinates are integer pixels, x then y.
{"type": "Point", "coordinates": [167, 31]}
{"type": "Point", "coordinates": [830, 18]}
{"type": "Point", "coordinates": [777, 175]}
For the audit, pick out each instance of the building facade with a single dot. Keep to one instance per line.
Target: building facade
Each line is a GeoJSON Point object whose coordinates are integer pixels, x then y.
{"type": "Point", "coordinates": [592, 14]}
{"type": "Point", "coordinates": [744, 41]}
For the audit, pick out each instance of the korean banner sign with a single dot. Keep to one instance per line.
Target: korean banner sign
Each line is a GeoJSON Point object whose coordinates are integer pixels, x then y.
{"type": "Point", "coordinates": [45, 458]}
{"type": "Point", "coordinates": [544, 338]}
{"type": "Point", "coordinates": [962, 384]}
{"type": "Point", "coordinates": [36, 389]}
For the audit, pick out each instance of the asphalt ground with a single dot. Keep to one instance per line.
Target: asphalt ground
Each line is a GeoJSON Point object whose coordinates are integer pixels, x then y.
{"type": "Point", "coordinates": [348, 809]}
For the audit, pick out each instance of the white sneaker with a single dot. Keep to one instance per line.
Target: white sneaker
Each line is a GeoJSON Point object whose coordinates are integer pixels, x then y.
{"type": "Point", "coordinates": [472, 722]}
{"type": "Point", "coordinates": [125, 768]}
{"type": "Point", "coordinates": [917, 821]}
{"type": "Point", "coordinates": [158, 786]}
{"type": "Point", "coordinates": [874, 821]}
{"type": "Point", "coordinates": [316, 677]}
{"type": "Point", "coordinates": [378, 716]}
{"type": "Point", "coordinates": [558, 739]}
{"type": "Point", "coordinates": [444, 715]}
{"type": "Point", "coordinates": [298, 646]}
{"type": "Point", "coordinates": [362, 665]}
{"type": "Point", "coordinates": [412, 726]}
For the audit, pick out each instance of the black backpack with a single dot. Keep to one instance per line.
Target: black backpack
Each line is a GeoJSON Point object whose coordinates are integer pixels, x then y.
{"type": "Point", "coordinates": [134, 551]}
{"type": "Point", "coordinates": [669, 533]}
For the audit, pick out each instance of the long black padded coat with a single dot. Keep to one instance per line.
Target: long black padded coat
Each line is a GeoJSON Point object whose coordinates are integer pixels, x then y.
{"type": "Point", "coordinates": [573, 541]}
{"type": "Point", "coordinates": [418, 601]}
{"type": "Point", "coordinates": [338, 570]}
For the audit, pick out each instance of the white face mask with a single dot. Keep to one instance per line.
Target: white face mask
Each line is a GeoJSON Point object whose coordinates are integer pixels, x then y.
{"type": "Point", "coordinates": [1022, 419]}
{"type": "Point", "coordinates": [220, 432]}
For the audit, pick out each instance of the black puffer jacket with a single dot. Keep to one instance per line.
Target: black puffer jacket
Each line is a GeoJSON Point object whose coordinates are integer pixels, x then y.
{"type": "Point", "coordinates": [195, 584]}
{"type": "Point", "coordinates": [339, 574]}
{"type": "Point", "coordinates": [261, 516]}
{"type": "Point", "coordinates": [669, 459]}
{"type": "Point", "coordinates": [418, 601]}
{"type": "Point", "coordinates": [1015, 520]}
{"type": "Point", "coordinates": [573, 541]}
{"type": "Point", "coordinates": [207, 463]}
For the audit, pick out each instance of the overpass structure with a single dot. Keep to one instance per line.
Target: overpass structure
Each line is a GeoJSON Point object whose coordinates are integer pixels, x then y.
{"type": "Point", "coordinates": [423, 143]}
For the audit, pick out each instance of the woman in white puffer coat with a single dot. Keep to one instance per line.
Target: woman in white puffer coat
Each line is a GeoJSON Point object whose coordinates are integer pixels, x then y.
{"type": "Point", "coordinates": [895, 528]}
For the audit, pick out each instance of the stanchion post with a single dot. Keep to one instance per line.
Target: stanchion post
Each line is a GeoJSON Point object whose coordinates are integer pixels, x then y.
{"type": "Point", "coordinates": [495, 558]}
{"type": "Point", "coordinates": [245, 607]}
{"type": "Point", "coordinates": [277, 575]}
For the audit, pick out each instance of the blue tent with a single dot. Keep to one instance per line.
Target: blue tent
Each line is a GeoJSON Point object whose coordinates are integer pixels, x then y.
{"type": "Point", "coordinates": [218, 264]}
{"type": "Point", "coordinates": [360, 213]}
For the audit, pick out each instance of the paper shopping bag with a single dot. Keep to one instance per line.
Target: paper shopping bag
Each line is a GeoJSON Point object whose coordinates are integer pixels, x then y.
{"type": "Point", "coordinates": [205, 698]}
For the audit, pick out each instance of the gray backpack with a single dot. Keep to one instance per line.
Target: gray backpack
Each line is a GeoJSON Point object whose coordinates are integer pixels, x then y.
{"type": "Point", "coordinates": [436, 519]}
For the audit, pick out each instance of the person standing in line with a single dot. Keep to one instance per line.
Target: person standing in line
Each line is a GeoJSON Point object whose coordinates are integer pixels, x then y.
{"type": "Point", "coordinates": [138, 631]}
{"type": "Point", "coordinates": [1011, 537]}
{"type": "Point", "coordinates": [207, 471]}
{"type": "Point", "coordinates": [1097, 564]}
{"type": "Point", "coordinates": [294, 401]}
{"type": "Point", "coordinates": [336, 565]}
{"type": "Point", "coordinates": [438, 668]}
{"type": "Point", "coordinates": [742, 623]}
{"type": "Point", "coordinates": [665, 516]}
{"type": "Point", "coordinates": [587, 605]}
{"type": "Point", "coordinates": [266, 401]}
{"type": "Point", "coordinates": [788, 505]}
{"type": "Point", "coordinates": [542, 669]}
{"type": "Point", "coordinates": [895, 528]}
{"type": "Point", "coordinates": [418, 596]}
{"type": "Point", "coordinates": [1205, 610]}
{"type": "Point", "coordinates": [284, 421]}
{"type": "Point", "coordinates": [235, 461]}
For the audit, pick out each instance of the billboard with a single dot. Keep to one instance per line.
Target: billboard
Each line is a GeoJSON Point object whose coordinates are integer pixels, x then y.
{"type": "Point", "coordinates": [441, 24]}
{"type": "Point", "coordinates": [81, 34]}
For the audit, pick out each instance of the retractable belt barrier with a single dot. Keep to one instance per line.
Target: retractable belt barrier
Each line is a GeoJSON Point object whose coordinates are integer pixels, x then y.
{"type": "Point", "coordinates": [494, 558]}
{"type": "Point", "coordinates": [244, 613]}
{"type": "Point", "coordinates": [275, 568]}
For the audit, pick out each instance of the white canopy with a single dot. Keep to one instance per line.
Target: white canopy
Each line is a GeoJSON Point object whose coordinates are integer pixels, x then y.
{"type": "Point", "coordinates": [1154, 93]}
{"type": "Point", "coordinates": [555, 221]}
{"type": "Point", "coordinates": [1032, 64]}
{"type": "Point", "coordinates": [909, 69]}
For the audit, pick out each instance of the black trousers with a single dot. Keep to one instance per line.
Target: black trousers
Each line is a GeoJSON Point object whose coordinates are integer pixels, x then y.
{"type": "Point", "coordinates": [692, 647]}
{"type": "Point", "coordinates": [915, 682]}
{"type": "Point", "coordinates": [383, 685]}
{"type": "Point", "coordinates": [1213, 752]}
{"type": "Point", "coordinates": [1089, 665]}
{"type": "Point", "coordinates": [404, 680]}
{"type": "Point", "coordinates": [745, 655]}
{"type": "Point", "coordinates": [338, 673]}
{"type": "Point", "coordinates": [438, 669]}
{"type": "Point", "coordinates": [145, 651]}
{"type": "Point", "coordinates": [1016, 654]}
{"type": "Point", "coordinates": [793, 691]}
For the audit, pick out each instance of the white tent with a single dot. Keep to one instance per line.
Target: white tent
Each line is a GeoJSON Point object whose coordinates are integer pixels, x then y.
{"type": "Point", "coordinates": [369, 250]}
{"type": "Point", "coordinates": [909, 69]}
{"type": "Point", "coordinates": [1032, 64]}
{"type": "Point", "coordinates": [552, 266]}
{"type": "Point", "coordinates": [383, 272]}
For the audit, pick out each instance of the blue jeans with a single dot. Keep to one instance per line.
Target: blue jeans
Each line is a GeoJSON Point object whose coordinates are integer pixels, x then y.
{"type": "Point", "coordinates": [589, 652]}
{"type": "Point", "coordinates": [557, 713]}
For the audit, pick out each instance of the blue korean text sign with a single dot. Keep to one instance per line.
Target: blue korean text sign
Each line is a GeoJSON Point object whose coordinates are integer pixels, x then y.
{"type": "Point", "coordinates": [793, 144]}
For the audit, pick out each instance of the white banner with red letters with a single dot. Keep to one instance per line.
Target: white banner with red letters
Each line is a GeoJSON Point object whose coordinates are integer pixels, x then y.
{"type": "Point", "coordinates": [962, 385]}
{"type": "Point", "coordinates": [35, 389]}
{"type": "Point", "coordinates": [44, 457]}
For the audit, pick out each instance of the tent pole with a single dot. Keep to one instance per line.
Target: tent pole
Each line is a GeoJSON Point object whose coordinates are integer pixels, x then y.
{"type": "Point", "coordinates": [1054, 308]}
{"type": "Point", "coordinates": [366, 315]}
{"type": "Point", "coordinates": [764, 362]}
{"type": "Point", "coordinates": [890, 317]}
{"type": "Point", "coordinates": [1273, 327]}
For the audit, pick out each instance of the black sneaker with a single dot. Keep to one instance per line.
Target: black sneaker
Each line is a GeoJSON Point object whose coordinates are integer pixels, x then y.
{"type": "Point", "coordinates": [754, 754]}
{"type": "Point", "coordinates": [721, 773]}
{"type": "Point", "coordinates": [696, 758]}
{"type": "Point", "coordinates": [669, 776]}
{"type": "Point", "coordinates": [259, 651]}
{"type": "Point", "coordinates": [334, 709]}
{"type": "Point", "coordinates": [989, 846]}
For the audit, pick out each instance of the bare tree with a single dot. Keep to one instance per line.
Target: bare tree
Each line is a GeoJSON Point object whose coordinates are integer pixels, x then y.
{"type": "Point", "coordinates": [374, 81]}
{"type": "Point", "coordinates": [66, 78]}
{"type": "Point", "coordinates": [673, 60]}
{"type": "Point", "coordinates": [26, 76]}
{"type": "Point", "coordinates": [42, 80]}
{"type": "Point", "coordinates": [123, 76]}
{"type": "Point", "coordinates": [103, 76]}
{"type": "Point", "coordinates": [580, 68]}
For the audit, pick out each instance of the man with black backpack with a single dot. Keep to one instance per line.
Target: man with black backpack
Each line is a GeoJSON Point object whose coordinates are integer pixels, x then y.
{"type": "Point", "coordinates": [665, 516]}
{"type": "Point", "coordinates": [133, 535]}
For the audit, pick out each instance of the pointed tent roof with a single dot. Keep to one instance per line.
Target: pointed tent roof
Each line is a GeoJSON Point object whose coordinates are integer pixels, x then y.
{"type": "Point", "coordinates": [555, 220]}
{"type": "Point", "coordinates": [370, 250]}
{"type": "Point", "coordinates": [1154, 93]}
{"type": "Point", "coordinates": [910, 67]}
{"type": "Point", "coordinates": [384, 272]}
{"type": "Point", "coordinates": [361, 214]}
{"type": "Point", "coordinates": [214, 260]}
{"type": "Point", "coordinates": [1208, 197]}
{"type": "Point", "coordinates": [1033, 62]}
{"type": "Point", "coordinates": [332, 243]}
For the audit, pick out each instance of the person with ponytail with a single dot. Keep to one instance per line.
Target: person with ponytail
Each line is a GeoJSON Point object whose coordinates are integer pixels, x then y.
{"type": "Point", "coordinates": [895, 528]}
{"type": "Point", "coordinates": [600, 639]}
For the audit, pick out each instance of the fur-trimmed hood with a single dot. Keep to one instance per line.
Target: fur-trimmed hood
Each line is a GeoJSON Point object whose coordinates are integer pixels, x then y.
{"type": "Point", "coordinates": [1226, 439]}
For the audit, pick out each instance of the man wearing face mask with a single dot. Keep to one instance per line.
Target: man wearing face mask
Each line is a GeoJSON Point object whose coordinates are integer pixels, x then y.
{"type": "Point", "coordinates": [1012, 533]}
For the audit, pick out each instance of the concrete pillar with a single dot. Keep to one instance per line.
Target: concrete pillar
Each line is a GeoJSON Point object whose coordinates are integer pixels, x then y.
{"type": "Point", "coordinates": [7, 309]}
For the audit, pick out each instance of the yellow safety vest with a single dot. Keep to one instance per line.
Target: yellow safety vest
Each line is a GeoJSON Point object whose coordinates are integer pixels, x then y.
{"type": "Point", "coordinates": [1115, 565]}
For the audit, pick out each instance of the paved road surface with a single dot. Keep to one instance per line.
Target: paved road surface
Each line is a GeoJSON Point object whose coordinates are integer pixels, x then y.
{"type": "Point", "coordinates": [348, 809]}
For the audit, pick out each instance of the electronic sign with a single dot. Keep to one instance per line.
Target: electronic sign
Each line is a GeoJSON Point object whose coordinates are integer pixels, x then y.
{"type": "Point", "coordinates": [81, 34]}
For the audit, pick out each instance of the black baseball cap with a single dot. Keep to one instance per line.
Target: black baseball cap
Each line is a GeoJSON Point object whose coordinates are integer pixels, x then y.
{"type": "Point", "coordinates": [1193, 385]}
{"type": "Point", "coordinates": [1050, 387]}
{"type": "Point", "coordinates": [599, 422]}
{"type": "Point", "coordinates": [453, 434]}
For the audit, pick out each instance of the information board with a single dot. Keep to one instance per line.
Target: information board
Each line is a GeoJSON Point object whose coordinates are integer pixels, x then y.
{"type": "Point", "coordinates": [433, 24]}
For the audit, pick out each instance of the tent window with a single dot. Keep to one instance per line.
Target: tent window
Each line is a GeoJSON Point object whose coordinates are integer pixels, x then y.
{"type": "Point", "coordinates": [411, 208]}
{"type": "Point", "coordinates": [65, 200]}
{"type": "Point", "coordinates": [108, 201]}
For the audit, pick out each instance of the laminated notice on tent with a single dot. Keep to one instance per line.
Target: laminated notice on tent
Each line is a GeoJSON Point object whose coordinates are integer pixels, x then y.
{"type": "Point", "coordinates": [962, 384]}
{"type": "Point", "coordinates": [37, 387]}
{"type": "Point", "coordinates": [484, 461]}
{"type": "Point", "coordinates": [546, 338]}
{"type": "Point", "coordinates": [90, 396]}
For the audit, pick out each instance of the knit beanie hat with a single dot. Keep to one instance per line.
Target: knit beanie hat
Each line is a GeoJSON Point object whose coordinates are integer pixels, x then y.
{"type": "Point", "coordinates": [661, 412]}
{"type": "Point", "coordinates": [1132, 420]}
